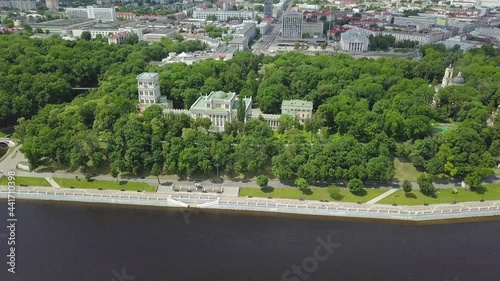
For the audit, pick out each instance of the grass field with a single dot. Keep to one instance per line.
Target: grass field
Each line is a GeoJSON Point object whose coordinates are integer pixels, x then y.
{"type": "Point", "coordinates": [113, 185]}
{"type": "Point", "coordinates": [2, 134]}
{"type": "Point", "coordinates": [316, 194]}
{"type": "Point", "coordinates": [29, 181]}
{"type": "Point", "coordinates": [444, 196]}
{"type": "Point", "coordinates": [405, 170]}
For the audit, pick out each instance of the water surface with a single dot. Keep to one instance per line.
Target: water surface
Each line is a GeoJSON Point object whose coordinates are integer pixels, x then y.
{"type": "Point", "coordinates": [78, 242]}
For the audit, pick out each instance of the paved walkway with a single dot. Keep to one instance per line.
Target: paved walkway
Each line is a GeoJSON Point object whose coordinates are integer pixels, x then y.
{"type": "Point", "coordinates": [9, 164]}
{"type": "Point", "coordinates": [289, 206]}
{"type": "Point", "coordinates": [52, 182]}
{"type": "Point", "coordinates": [382, 196]}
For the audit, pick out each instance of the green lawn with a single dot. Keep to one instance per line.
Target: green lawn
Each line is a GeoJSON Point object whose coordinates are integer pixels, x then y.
{"type": "Point", "coordinates": [317, 194]}
{"type": "Point", "coordinates": [444, 196]}
{"type": "Point", "coordinates": [29, 181]}
{"type": "Point", "coordinates": [113, 185]}
{"type": "Point", "coordinates": [2, 134]}
{"type": "Point", "coordinates": [405, 170]}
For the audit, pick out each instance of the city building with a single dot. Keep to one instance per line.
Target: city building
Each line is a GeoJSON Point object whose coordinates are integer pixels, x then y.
{"type": "Point", "coordinates": [220, 107]}
{"type": "Point", "coordinates": [239, 42]}
{"type": "Point", "coordinates": [417, 22]}
{"type": "Point", "coordinates": [52, 4]}
{"type": "Point", "coordinates": [312, 29]}
{"type": "Point", "coordinates": [308, 7]}
{"type": "Point", "coordinates": [187, 58]}
{"type": "Point", "coordinates": [354, 41]}
{"type": "Point", "coordinates": [120, 37]}
{"type": "Point", "coordinates": [148, 88]}
{"type": "Point", "coordinates": [484, 32]}
{"type": "Point", "coordinates": [489, 3]}
{"type": "Point", "coordinates": [301, 110]}
{"type": "Point", "coordinates": [268, 9]}
{"type": "Point", "coordinates": [126, 15]}
{"type": "Point", "coordinates": [292, 25]}
{"type": "Point", "coordinates": [63, 27]}
{"type": "Point", "coordinates": [264, 27]}
{"type": "Point", "coordinates": [247, 31]}
{"type": "Point", "coordinates": [195, 22]}
{"type": "Point", "coordinates": [24, 5]}
{"type": "Point", "coordinates": [103, 14]}
{"type": "Point", "coordinates": [421, 38]}
{"type": "Point", "coordinates": [454, 41]}
{"type": "Point", "coordinates": [222, 15]}
{"type": "Point", "coordinates": [449, 80]}
{"type": "Point", "coordinates": [464, 3]}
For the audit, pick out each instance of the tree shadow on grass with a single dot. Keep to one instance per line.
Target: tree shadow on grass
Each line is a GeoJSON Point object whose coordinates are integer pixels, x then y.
{"type": "Point", "coordinates": [267, 189]}
{"type": "Point", "coordinates": [307, 191]}
{"type": "Point", "coordinates": [360, 193]}
{"type": "Point", "coordinates": [337, 196]}
{"type": "Point", "coordinates": [123, 182]}
{"type": "Point", "coordinates": [410, 195]}
{"type": "Point", "coordinates": [480, 190]}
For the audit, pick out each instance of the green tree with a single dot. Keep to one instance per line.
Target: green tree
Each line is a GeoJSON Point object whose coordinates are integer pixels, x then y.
{"type": "Point", "coordinates": [114, 170]}
{"type": "Point", "coordinates": [356, 186]}
{"type": "Point", "coordinates": [335, 193]}
{"type": "Point", "coordinates": [474, 181]}
{"type": "Point", "coordinates": [407, 186]}
{"type": "Point", "coordinates": [179, 37]}
{"type": "Point", "coordinates": [262, 181]}
{"type": "Point", "coordinates": [86, 35]}
{"type": "Point", "coordinates": [425, 183]}
{"type": "Point", "coordinates": [301, 184]}
{"type": "Point", "coordinates": [155, 171]}
{"type": "Point", "coordinates": [241, 110]}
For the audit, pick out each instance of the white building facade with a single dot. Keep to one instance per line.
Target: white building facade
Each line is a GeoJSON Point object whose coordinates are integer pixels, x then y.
{"type": "Point", "coordinates": [148, 88]}
{"type": "Point", "coordinates": [222, 15]}
{"type": "Point", "coordinates": [103, 14]}
{"type": "Point", "coordinates": [354, 41]}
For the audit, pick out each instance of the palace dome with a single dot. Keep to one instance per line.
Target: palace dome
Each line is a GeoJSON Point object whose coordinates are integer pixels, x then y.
{"type": "Point", "coordinates": [458, 80]}
{"type": "Point", "coordinates": [219, 95]}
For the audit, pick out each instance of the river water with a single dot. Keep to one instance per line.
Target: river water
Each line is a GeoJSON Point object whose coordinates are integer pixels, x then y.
{"type": "Point", "coordinates": [76, 242]}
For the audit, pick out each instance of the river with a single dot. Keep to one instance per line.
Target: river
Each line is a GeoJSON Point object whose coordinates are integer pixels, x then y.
{"type": "Point", "coordinates": [58, 241]}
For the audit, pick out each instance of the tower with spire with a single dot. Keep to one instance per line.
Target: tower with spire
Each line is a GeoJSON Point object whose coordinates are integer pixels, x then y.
{"type": "Point", "coordinates": [448, 75]}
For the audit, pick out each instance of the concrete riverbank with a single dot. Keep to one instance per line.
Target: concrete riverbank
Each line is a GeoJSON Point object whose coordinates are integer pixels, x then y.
{"type": "Point", "coordinates": [284, 206]}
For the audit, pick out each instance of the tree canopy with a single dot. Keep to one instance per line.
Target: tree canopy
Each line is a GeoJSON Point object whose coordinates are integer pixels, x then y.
{"type": "Point", "coordinates": [369, 111]}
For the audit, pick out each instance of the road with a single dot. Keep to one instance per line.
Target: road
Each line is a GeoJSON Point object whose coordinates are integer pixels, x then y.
{"type": "Point", "coordinates": [274, 31]}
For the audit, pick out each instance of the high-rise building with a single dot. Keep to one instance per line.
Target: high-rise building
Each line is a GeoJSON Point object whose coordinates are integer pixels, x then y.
{"type": "Point", "coordinates": [52, 4]}
{"type": "Point", "coordinates": [292, 26]}
{"type": "Point", "coordinates": [20, 5]}
{"type": "Point", "coordinates": [148, 88]}
{"type": "Point", "coordinates": [268, 9]}
{"type": "Point", "coordinates": [104, 14]}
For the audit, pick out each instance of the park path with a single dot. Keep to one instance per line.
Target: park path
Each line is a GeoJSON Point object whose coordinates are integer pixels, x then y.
{"type": "Point", "coordinates": [52, 182]}
{"type": "Point", "coordinates": [10, 162]}
{"type": "Point", "coordinates": [382, 196]}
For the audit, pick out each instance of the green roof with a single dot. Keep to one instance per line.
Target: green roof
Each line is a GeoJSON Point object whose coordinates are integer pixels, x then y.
{"type": "Point", "coordinates": [297, 103]}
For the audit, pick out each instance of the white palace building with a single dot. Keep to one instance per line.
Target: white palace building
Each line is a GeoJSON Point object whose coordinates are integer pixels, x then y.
{"type": "Point", "coordinates": [220, 107]}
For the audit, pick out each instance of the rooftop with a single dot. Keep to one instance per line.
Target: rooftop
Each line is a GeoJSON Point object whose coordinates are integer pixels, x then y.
{"type": "Point", "coordinates": [297, 103]}
{"type": "Point", "coordinates": [62, 22]}
{"type": "Point", "coordinates": [120, 34]}
{"type": "Point", "coordinates": [147, 75]}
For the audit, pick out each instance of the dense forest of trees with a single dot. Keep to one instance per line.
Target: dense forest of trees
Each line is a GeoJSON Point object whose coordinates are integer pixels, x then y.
{"type": "Point", "coordinates": [367, 112]}
{"type": "Point", "coordinates": [37, 72]}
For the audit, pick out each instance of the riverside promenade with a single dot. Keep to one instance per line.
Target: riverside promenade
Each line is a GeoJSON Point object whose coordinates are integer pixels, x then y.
{"type": "Point", "coordinates": [285, 206]}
